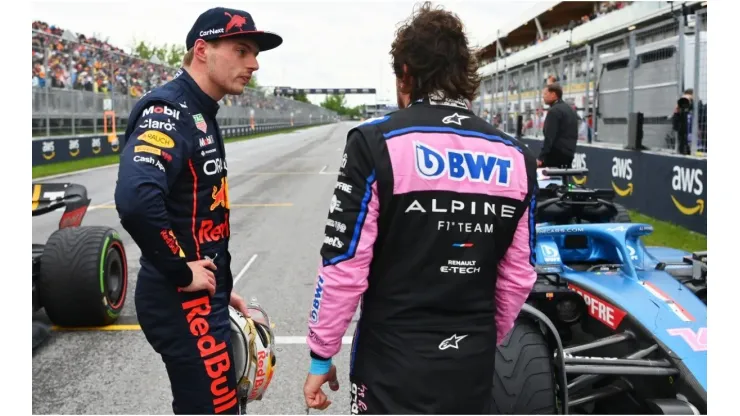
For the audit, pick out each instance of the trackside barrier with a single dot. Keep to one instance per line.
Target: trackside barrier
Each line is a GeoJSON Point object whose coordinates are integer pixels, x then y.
{"type": "Point", "coordinates": [667, 187]}
{"type": "Point", "coordinates": [68, 148]}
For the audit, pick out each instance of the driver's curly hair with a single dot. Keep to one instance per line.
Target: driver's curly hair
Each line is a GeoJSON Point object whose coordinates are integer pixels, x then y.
{"type": "Point", "coordinates": [433, 44]}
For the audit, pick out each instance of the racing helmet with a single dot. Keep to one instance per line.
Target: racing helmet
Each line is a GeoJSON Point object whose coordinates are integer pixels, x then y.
{"type": "Point", "coordinates": [254, 357]}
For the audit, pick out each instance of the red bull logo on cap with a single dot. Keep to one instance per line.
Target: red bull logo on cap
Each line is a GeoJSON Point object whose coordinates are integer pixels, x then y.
{"type": "Point", "coordinates": [235, 21]}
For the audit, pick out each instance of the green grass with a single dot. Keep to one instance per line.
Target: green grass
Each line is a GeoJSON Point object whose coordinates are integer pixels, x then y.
{"type": "Point", "coordinates": [93, 162]}
{"type": "Point", "coordinates": [73, 165]}
{"type": "Point", "coordinates": [670, 235]}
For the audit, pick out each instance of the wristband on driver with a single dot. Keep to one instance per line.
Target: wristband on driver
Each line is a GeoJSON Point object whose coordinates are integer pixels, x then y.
{"type": "Point", "coordinates": [319, 367]}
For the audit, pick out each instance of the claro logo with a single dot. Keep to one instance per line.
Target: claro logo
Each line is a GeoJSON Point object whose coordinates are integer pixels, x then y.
{"type": "Point", "coordinates": [622, 169]}
{"type": "Point", "coordinates": [579, 162]}
{"type": "Point", "coordinates": [688, 181]}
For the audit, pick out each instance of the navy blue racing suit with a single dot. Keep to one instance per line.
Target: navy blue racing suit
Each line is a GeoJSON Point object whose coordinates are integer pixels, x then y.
{"type": "Point", "coordinates": [172, 198]}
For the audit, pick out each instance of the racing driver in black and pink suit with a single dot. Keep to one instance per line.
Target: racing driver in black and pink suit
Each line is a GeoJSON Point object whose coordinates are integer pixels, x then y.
{"type": "Point", "coordinates": [431, 232]}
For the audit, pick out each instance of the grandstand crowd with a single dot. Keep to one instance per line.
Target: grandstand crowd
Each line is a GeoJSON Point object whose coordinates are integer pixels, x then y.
{"type": "Point", "coordinates": [65, 60]}
{"type": "Point", "coordinates": [600, 9]}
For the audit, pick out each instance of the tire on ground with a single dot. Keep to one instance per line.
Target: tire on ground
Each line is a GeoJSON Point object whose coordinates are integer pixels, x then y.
{"type": "Point", "coordinates": [84, 277]}
{"type": "Point", "coordinates": [524, 380]}
{"type": "Point", "coordinates": [622, 214]}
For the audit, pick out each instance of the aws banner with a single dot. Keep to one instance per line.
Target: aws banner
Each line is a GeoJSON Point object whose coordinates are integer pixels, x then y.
{"type": "Point", "coordinates": [64, 149]}
{"type": "Point", "coordinates": [666, 187]}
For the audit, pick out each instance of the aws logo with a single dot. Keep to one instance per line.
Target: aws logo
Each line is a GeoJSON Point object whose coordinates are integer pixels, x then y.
{"type": "Point", "coordinates": [47, 150]}
{"type": "Point", "coordinates": [96, 148]}
{"type": "Point", "coordinates": [688, 181]}
{"type": "Point", "coordinates": [114, 143]}
{"type": "Point", "coordinates": [113, 140]}
{"type": "Point", "coordinates": [579, 162]}
{"type": "Point", "coordinates": [74, 147]}
{"type": "Point", "coordinates": [622, 169]}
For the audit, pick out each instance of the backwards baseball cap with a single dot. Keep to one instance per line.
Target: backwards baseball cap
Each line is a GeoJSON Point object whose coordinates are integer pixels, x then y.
{"type": "Point", "coordinates": [221, 22]}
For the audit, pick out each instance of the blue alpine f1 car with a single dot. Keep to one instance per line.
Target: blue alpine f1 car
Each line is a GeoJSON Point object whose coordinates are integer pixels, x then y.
{"type": "Point", "coordinates": [610, 326]}
{"type": "Point", "coordinates": [560, 203]}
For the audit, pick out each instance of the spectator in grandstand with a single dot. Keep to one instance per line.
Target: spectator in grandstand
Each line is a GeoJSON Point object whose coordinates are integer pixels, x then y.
{"type": "Point", "coordinates": [560, 130]}
{"type": "Point", "coordinates": [426, 341]}
{"type": "Point", "coordinates": [97, 58]}
{"type": "Point", "coordinates": [172, 173]}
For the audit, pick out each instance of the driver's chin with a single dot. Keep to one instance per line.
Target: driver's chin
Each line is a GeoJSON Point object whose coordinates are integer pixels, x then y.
{"type": "Point", "coordinates": [234, 88]}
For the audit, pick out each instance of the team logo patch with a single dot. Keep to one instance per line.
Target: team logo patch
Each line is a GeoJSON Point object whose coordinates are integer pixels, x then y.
{"type": "Point", "coordinates": [462, 165]}
{"type": "Point", "coordinates": [200, 123]}
{"type": "Point", "coordinates": [318, 295]}
{"type": "Point", "coordinates": [157, 138]}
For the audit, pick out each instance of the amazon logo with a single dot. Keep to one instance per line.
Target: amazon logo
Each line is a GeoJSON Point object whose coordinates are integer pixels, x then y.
{"type": "Point", "coordinates": [622, 169]}
{"type": "Point", "coordinates": [688, 181]}
{"type": "Point", "coordinates": [579, 162]}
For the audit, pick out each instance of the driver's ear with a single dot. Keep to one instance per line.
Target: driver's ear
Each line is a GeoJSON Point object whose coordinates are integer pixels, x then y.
{"type": "Point", "coordinates": [199, 50]}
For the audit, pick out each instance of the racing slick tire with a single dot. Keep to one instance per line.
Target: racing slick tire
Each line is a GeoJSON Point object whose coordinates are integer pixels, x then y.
{"type": "Point", "coordinates": [622, 214]}
{"type": "Point", "coordinates": [83, 276]}
{"type": "Point", "coordinates": [524, 380]}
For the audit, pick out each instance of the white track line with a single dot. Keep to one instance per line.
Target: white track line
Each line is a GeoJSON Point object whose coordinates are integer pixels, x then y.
{"type": "Point", "coordinates": [244, 270]}
{"type": "Point", "coordinates": [323, 169]}
{"type": "Point", "coordinates": [94, 207]}
{"type": "Point", "coordinates": [293, 340]}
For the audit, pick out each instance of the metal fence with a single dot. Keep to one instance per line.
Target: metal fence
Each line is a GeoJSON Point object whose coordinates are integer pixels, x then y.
{"type": "Point", "coordinates": [699, 129]}
{"type": "Point", "coordinates": [75, 82]}
{"type": "Point", "coordinates": [645, 71]}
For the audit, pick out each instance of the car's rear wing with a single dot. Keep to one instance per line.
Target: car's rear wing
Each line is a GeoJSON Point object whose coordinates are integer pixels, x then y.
{"type": "Point", "coordinates": [48, 197]}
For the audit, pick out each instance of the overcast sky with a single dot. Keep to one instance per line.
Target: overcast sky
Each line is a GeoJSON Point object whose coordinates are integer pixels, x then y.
{"type": "Point", "coordinates": [327, 44]}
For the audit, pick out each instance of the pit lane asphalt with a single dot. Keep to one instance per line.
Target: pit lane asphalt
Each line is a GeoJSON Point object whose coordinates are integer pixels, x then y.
{"type": "Point", "coordinates": [280, 187]}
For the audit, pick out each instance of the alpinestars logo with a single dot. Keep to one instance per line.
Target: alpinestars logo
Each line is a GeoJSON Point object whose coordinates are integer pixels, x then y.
{"type": "Point", "coordinates": [455, 118]}
{"type": "Point", "coordinates": [451, 342]}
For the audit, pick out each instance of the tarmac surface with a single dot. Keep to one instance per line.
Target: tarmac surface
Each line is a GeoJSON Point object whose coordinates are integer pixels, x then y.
{"type": "Point", "coordinates": [280, 189]}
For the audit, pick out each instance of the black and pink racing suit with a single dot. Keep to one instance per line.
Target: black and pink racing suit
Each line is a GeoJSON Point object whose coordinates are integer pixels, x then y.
{"type": "Point", "coordinates": [431, 230]}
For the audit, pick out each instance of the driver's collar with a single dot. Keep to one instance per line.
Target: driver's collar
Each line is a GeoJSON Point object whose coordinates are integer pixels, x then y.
{"type": "Point", "coordinates": [436, 98]}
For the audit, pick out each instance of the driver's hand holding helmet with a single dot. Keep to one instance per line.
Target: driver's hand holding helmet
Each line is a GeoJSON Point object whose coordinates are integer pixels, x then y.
{"type": "Point", "coordinates": [254, 358]}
